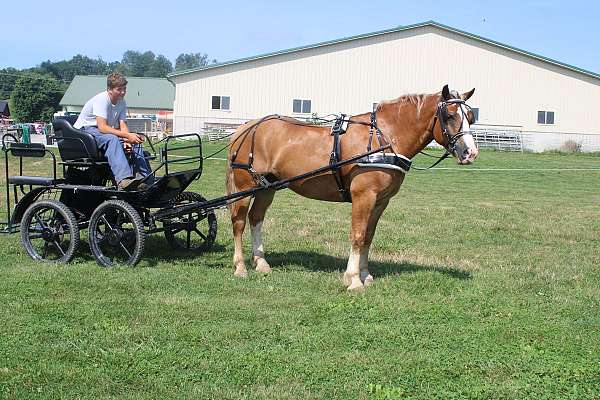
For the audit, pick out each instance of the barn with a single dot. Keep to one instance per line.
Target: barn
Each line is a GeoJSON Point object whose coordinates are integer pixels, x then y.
{"type": "Point", "coordinates": [537, 102]}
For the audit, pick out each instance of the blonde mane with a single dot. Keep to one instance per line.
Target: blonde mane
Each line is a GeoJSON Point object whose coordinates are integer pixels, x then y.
{"type": "Point", "coordinates": [417, 99]}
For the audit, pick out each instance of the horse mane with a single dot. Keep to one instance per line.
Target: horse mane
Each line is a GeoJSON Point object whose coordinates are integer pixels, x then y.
{"type": "Point", "coordinates": [417, 99]}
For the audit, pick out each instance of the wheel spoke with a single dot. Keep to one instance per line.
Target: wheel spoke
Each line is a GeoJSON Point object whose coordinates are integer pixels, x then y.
{"type": "Point", "coordinates": [40, 220]}
{"type": "Point", "coordinates": [189, 238]}
{"type": "Point", "coordinates": [125, 249]}
{"type": "Point", "coordinates": [200, 233]}
{"type": "Point", "coordinates": [119, 218]}
{"type": "Point", "coordinates": [103, 218]}
{"type": "Point", "coordinates": [35, 236]}
{"type": "Point", "coordinates": [59, 248]}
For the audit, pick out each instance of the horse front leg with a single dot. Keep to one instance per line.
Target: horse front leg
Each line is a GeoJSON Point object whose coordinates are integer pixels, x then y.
{"type": "Point", "coordinates": [366, 211]}
{"type": "Point", "coordinates": [261, 203]}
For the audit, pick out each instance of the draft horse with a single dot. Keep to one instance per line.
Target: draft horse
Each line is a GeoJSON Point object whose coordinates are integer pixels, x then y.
{"type": "Point", "coordinates": [280, 147]}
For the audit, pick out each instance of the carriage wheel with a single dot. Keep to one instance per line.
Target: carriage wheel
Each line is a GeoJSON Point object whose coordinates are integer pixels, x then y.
{"type": "Point", "coordinates": [116, 234]}
{"type": "Point", "coordinates": [49, 231]}
{"type": "Point", "coordinates": [195, 231]}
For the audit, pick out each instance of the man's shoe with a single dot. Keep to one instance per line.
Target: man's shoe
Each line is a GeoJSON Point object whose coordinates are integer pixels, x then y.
{"type": "Point", "coordinates": [128, 184]}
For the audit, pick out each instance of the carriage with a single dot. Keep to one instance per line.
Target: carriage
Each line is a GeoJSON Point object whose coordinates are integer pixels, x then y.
{"type": "Point", "coordinates": [51, 211]}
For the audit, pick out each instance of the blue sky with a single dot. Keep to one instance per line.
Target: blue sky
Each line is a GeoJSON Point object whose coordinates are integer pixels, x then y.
{"type": "Point", "coordinates": [35, 31]}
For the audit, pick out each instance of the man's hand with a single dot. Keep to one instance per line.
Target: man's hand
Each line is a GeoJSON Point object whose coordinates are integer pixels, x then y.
{"type": "Point", "coordinates": [134, 138]}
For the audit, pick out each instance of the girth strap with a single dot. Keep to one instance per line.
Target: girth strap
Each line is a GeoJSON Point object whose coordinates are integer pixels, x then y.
{"type": "Point", "coordinates": [334, 158]}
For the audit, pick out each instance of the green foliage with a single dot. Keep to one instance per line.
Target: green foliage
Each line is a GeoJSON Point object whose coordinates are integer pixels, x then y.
{"type": "Point", "coordinates": [145, 64]}
{"type": "Point", "coordinates": [8, 78]}
{"type": "Point", "coordinates": [192, 60]}
{"type": "Point", "coordinates": [78, 65]}
{"type": "Point", "coordinates": [36, 97]}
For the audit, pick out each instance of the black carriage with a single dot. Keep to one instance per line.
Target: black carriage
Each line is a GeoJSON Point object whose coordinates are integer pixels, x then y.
{"type": "Point", "coordinates": [51, 211]}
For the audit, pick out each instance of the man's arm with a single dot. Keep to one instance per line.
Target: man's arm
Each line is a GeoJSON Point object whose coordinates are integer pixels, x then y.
{"type": "Point", "coordinates": [123, 132]}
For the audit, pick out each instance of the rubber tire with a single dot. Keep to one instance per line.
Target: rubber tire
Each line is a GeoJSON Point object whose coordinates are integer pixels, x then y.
{"type": "Point", "coordinates": [138, 228]}
{"type": "Point", "coordinates": [68, 217]}
{"type": "Point", "coordinates": [212, 226]}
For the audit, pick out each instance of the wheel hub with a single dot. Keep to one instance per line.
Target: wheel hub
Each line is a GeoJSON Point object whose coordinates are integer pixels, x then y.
{"type": "Point", "coordinates": [114, 237]}
{"type": "Point", "coordinates": [49, 235]}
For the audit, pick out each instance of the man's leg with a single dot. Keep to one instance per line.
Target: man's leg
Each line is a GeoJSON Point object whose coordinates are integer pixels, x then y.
{"type": "Point", "coordinates": [112, 148]}
{"type": "Point", "coordinates": [141, 166]}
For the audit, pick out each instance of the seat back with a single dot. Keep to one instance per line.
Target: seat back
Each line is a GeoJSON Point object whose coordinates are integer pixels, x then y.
{"type": "Point", "coordinates": [74, 144]}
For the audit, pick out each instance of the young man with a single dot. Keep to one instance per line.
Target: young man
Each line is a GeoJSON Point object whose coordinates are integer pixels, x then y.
{"type": "Point", "coordinates": [104, 116]}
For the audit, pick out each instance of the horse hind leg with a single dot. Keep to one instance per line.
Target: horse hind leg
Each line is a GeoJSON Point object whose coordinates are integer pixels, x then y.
{"type": "Point", "coordinates": [261, 203]}
{"type": "Point", "coordinates": [239, 212]}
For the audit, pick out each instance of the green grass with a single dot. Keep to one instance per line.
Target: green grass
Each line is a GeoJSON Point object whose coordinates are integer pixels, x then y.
{"type": "Point", "coordinates": [486, 286]}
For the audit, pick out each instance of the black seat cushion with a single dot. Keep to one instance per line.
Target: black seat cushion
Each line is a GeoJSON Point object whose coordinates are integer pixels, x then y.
{"type": "Point", "coordinates": [75, 144]}
{"type": "Point", "coordinates": [34, 180]}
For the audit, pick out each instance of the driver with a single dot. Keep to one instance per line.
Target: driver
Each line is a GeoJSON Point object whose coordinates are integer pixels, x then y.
{"type": "Point", "coordinates": [104, 116]}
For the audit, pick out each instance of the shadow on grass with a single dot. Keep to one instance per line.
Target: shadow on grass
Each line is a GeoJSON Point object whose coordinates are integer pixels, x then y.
{"type": "Point", "coordinates": [156, 250]}
{"type": "Point", "coordinates": [325, 263]}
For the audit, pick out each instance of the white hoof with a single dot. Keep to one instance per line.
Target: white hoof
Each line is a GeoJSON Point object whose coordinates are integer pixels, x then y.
{"type": "Point", "coordinates": [262, 266]}
{"type": "Point", "coordinates": [368, 280]}
{"type": "Point", "coordinates": [356, 285]}
{"type": "Point", "coordinates": [241, 272]}
{"type": "Point", "coordinates": [347, 279]}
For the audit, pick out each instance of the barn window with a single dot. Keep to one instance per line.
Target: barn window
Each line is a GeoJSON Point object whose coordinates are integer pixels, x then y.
{"type": "Point", "coordinates": [220, 102]}
{"type": "Point", "coordinates": [545, 117]}
{"type": "Point", "coordinates": [301, 106]}
{"type": "Point", "coordinates": [475, 114]}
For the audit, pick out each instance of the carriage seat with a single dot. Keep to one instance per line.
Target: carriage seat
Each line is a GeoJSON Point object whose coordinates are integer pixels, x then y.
{"type": "Point", "coordinates": [75, 145]}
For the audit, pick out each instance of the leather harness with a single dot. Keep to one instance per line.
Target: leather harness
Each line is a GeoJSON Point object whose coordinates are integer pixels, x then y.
{"type": "Point", "coordinates": [375, 160]}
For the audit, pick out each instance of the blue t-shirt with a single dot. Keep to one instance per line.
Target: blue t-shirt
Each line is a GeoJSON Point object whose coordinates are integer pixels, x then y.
{"type": "Point", "coordinates": [101, 106]}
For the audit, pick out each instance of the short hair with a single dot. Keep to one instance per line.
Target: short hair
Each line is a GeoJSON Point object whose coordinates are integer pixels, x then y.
{"type": "Point", "coordinates": [115, 80]}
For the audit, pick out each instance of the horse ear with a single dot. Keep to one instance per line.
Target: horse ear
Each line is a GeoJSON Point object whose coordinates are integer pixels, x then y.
{"type": "Point", "coordinates": [446, 93]}
{"type": "Point", "coordinates": [467, 96]}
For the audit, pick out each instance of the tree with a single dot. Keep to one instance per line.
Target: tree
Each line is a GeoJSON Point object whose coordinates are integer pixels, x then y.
{"type": "Point", "coordinates": [36, 97]}
{"type": "Point", "coordinates": [78, 65]}
{"type": "Point", "coordinates": [145, 64]}
{"type": "Point", "coordinates": [8, 78]}
{"type": "Point", "coordinates": [192, 60]}
{"type": "Point", "coordinates": [160, 67]}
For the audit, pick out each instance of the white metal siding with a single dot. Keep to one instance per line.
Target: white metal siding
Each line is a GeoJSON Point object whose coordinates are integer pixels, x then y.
{"type": "Point", "coordinates": [349, 76]}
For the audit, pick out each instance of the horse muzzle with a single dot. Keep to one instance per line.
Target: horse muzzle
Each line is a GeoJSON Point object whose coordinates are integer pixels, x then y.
{"type": "Point", "coordinates": [465, 150]}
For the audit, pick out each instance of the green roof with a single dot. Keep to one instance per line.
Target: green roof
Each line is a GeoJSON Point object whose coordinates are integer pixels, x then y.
{"type": "Point", "coordinates": [383, 32]}
{"type": "Point", "coordinates": [151, 93]}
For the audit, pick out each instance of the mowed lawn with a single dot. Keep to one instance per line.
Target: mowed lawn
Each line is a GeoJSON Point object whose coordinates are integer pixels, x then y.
{"type": "Point", "coordinates": [487, 285]}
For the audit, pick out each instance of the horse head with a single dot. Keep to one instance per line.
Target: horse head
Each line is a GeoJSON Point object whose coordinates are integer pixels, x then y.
{"type": "Point", "coordinates": [452, 125]}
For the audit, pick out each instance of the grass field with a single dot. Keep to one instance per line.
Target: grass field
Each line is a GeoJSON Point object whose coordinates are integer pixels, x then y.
{"type": "Point", "coordinates": [487, 285]}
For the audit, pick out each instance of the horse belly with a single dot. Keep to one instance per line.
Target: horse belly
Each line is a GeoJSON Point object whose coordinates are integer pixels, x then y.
{"type": "Point", "coordinates": [321, 187]}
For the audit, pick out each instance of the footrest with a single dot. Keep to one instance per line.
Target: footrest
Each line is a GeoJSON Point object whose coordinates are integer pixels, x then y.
{"type": "Point", "coordinates": [34, 180]}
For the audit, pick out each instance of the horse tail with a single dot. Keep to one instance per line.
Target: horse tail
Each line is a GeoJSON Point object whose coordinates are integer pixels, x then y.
{"type": "Point", "coordinates": [229, 180]}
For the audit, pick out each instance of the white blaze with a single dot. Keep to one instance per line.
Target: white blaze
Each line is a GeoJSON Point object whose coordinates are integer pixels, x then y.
{"type": "Point", "coordinates": [466, 128]}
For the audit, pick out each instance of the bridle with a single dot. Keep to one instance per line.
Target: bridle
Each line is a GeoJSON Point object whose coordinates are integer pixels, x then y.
{"type": "Point", "coordinates": [442, 115]}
